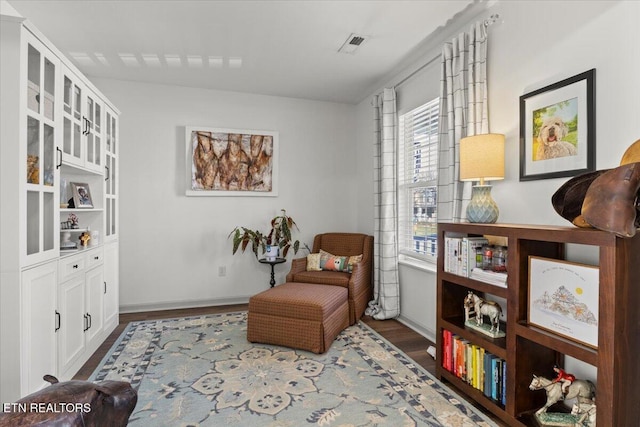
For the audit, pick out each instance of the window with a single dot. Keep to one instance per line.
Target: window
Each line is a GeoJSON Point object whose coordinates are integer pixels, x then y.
{"type": "Point", "coordinates": [417, 181]}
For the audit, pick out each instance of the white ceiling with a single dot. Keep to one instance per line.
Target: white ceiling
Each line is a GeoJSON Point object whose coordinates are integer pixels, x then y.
{"type": "Point", "coordinates": [282, 48]}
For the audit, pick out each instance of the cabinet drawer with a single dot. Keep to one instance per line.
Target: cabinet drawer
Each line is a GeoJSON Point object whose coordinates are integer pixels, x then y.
{"type": "Point", "coordinates": [70, 266]}
{"type": "Point", "coordinates": [95, 257]}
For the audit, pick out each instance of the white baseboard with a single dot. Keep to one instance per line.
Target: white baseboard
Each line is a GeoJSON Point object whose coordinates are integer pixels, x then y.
{"type": "Point", "coordinates": [174, 305]}
{"type": "Point", "coordinates": [428, 334]}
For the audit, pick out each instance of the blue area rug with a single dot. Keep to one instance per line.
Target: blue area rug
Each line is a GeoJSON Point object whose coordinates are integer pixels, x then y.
{"type": "Point", "coordinates": [202, 371]}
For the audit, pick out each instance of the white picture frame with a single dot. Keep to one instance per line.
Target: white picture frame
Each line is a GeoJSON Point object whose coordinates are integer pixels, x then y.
{"type": "Point", "coordinates": [564, 298]}
{"type": "Point", "coordinates": [81, 195]}
{"type": "Point", "coordinates": [231, 162]}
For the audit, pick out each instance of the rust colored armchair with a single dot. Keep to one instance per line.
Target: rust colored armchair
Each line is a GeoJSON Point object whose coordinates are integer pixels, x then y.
{"type": "Point", "coordinates": [358, 282]}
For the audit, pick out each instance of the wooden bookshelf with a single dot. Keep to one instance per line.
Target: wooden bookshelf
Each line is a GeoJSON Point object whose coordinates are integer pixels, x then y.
{"type": "Point", "coordinates": [530, 350]}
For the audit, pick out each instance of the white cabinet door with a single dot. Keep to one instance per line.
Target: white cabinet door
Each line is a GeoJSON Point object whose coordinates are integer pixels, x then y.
{"type": "Point", "coordinates": [94, 302]}
{"type": "Point", "coordinates": [111, 143]}
{"type": "Point", "coordinates": [73, 122]}
{"type": "Point", "coordinates": [92, 133]}
{"type": "Point", "coordinates": [73, 321]}
{"type": "Point", "coordinates": [111, 271]}
{"type": "Point", "coordinates": [82, 142]}
{"type": "Point", "coordinates": [41, 179]}
{"type": "Point", "coordinates": [38, 326]}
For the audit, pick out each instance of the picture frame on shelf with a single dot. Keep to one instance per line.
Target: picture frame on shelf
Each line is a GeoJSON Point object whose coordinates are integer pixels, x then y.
{"type": "Point", "coordinates": [81, 195]}
{"type": "Point", "coordinates": [557, 129]}
{"type": "Point", "coordinates": [563, 298]}
{"type": "Point", "coordinates": [231, 162]}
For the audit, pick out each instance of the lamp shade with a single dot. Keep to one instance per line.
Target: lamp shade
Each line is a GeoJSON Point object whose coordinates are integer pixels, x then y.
{"type": "Point", "coordinates": [482, 157]}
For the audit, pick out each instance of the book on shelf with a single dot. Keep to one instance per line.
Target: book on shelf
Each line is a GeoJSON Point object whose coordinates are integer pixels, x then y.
{"type": "Point", "coordinates": [474, 365]}
{"type": "Point", "coordinates": [452, 254]}
{"type": "Point", "coordinates": [471, 254]}
{"type": "Point", "coordinates": [463, 254]}
{"type": "Point", "coordinates": [488, 276]}
{"type": "Point", "coordinates": [488, 378]}
{"type": "Point", "coordinates": [503, 399]}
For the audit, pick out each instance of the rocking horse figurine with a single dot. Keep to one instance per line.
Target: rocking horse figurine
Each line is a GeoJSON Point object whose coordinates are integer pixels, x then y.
{"type": "Point", "coordinates": [473, 304]}
{"type": "Point", "coordinates": [581, 390]}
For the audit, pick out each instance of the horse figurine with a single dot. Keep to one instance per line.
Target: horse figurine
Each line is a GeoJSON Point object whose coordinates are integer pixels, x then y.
{"type": "Point", "coordinates": [583, 391]}
{"type": "Point", "coordinates": [586, 413]}
{"type": "Point", "coordinates": [481, 308]}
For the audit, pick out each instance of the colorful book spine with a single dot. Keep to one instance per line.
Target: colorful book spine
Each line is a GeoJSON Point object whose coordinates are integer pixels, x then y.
{"type": "Point", "coordinates": [504, 383]}
{"type": "Point", "coordinates": [488, 379]}
{"type": "Point", "coordinates": [476, 366]}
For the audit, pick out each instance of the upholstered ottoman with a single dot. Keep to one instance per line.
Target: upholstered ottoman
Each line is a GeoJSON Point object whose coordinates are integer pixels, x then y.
{"type": "Point", "coordinates": [298, 315]}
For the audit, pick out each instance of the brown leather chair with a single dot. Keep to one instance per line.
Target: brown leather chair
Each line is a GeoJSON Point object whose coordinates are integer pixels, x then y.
{"type": "Point", "coordinates": [358, 282]}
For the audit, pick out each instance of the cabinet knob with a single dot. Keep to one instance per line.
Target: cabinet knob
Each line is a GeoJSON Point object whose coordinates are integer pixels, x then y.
{"type": "Point", "coordinates": [75, 265]}
{"type": "Point", "coordinates": [96, 257]}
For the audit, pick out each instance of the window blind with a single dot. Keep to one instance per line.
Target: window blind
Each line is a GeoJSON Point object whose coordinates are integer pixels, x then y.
{"type": "Point", "coordinates": [417, 180]}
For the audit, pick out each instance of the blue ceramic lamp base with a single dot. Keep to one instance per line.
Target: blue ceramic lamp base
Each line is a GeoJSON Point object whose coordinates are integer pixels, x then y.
{"type": "Point", "coordinates": [482, 208]}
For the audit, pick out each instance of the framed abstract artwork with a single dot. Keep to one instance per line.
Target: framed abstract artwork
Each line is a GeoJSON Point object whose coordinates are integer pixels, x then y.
{"type": "Point", "coordinates": [231, 162]}
{"type": "Point", "coordinates": [557, 129]}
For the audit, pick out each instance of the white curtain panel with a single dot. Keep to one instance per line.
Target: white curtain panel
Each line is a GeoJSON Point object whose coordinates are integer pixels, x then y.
{"type": "Point", "coordinates": [463, 112]}
{"type": "Point", "coordinates": [386, 302]}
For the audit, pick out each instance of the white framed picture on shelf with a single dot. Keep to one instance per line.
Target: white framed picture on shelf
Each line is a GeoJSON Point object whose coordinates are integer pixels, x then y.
{"type": "Point", "coordinates": [81, 195]}
{"type": "Point", "coordinates": [563, 298]}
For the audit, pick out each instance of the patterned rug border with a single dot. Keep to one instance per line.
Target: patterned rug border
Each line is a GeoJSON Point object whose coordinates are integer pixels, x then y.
{"type": "Point", "coordinates": [112, 354]}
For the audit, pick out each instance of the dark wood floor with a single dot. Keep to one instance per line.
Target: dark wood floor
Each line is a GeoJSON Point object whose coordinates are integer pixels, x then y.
{"type": "Point", "coordinates": [406, 339]}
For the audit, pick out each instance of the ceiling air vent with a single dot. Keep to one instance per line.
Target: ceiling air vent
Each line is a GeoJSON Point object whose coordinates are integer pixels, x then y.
{"type": "Point", "coordinates": [352, 43]}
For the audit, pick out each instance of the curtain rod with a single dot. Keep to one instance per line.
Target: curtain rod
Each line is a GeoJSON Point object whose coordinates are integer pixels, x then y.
{"type": "Point", "coordinates": [487, 22]}
{"type": "Point", "coordinates": [422, 67]}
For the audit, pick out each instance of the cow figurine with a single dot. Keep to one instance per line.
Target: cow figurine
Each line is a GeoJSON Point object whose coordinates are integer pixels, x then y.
{"type": "Point", "coordinates": [74, 403]}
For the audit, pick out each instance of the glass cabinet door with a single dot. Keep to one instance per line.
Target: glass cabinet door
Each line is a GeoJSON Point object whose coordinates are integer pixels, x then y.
{"type": "Point", "coordinates": [111, 164]}
{"type": "Point", "coordinates": [72, 121]}
{"type": "Point", "coordinates": [40, 182]}
{"type": "Point", "coordinates": [93, 134]}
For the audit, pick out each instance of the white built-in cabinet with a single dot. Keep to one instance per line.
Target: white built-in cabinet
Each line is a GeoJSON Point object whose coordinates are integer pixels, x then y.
{"type": "Point", "coordinates": [58, 305]}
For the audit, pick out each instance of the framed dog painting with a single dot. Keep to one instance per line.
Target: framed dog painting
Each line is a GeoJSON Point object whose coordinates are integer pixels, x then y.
{"type": "Point", "coordinates": [231, 162]}
{"type": "Point", "coordinates": [557, 129]}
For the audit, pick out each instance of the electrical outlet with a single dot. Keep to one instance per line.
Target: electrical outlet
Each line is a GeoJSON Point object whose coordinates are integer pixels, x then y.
{"type": "Point", "coordinates": [222, 270]}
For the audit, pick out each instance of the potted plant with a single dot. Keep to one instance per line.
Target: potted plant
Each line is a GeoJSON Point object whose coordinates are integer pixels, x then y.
{"type": "Point", "coordinates": [277, 239]}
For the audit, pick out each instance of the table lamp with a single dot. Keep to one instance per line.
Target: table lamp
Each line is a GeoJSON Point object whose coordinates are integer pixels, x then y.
{"type": "Point", "coordinates": [482, 158]}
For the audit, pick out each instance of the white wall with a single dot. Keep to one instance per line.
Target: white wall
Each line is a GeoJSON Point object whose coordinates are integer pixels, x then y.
{"type": "Point", "coordinates": [171, 246]}
{"type": "Point", "coordinates": [534, 45]}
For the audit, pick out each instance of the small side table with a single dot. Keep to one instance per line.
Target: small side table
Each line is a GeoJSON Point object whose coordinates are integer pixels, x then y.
{"type": "Point", "coordinates": [272, 263]}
